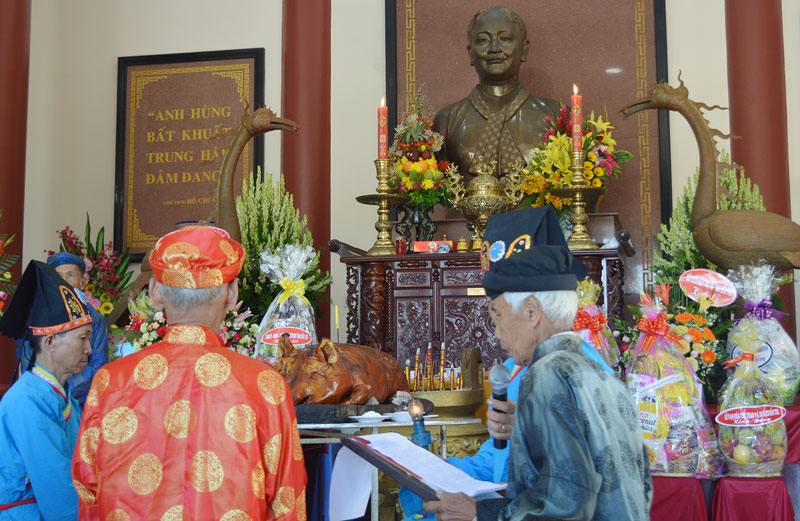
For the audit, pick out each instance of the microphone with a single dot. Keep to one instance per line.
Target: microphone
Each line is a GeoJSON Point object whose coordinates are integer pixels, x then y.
{"type": "Point", "coordinates": [499, 378]}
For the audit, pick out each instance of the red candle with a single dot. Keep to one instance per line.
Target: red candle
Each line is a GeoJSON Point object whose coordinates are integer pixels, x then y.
{"type": "Point", "coordinates": [383, 130]}
{"type": "Point", "coordinates": [577, 119]}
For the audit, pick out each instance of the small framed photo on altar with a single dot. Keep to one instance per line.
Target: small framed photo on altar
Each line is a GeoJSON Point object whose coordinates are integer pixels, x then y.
{"type": "Point", "coordinates": [176, 117]}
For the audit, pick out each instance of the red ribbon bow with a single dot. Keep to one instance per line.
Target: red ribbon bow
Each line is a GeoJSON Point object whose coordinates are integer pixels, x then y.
{"type": "Point", "coordinates": [594, 323]}
{"type": "Point", "coordinates": [653, 328]}
{"type": "Point", "coordinates": [740, 358]}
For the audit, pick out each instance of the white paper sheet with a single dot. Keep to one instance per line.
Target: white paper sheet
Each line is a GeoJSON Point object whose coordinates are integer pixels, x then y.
{"type": "Point", "coordinates": [351, 483]}
{"type": "Point", "coordinates": [433, 470]}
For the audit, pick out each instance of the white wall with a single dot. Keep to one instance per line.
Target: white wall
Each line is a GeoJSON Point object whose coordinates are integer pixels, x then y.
{"type": "Point", "coordinates": [73, 89]}
{"type": "Point", "coordinates": [358, 81]}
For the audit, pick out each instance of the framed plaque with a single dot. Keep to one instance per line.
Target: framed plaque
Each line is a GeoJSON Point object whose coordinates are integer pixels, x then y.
{"type": "Point", "coordinates": [615, 53]}
{"type": "Point", "coordinates": [176, 116]}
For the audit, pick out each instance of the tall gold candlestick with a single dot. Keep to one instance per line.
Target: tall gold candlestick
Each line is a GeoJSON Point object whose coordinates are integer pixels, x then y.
{"type": "Point", "coordinates": [579, 190]}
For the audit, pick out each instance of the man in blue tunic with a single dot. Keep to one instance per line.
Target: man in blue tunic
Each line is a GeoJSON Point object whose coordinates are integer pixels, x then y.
{"type": "Point", "coordinates": [519, 230]}
{"type": "Point", "coordinates": [39, 419]}
{"type": "Point", "coordinates": [576, 449]}
{"type": "Point", "coordinates": [71, 268]}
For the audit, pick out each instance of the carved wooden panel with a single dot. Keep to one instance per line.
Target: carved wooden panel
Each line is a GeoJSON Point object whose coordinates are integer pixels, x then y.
{"type": "Point", "coordinates": [408, 279]}
{"type": "Point", "coordinates": [353, 285]}
{"type": "Point", "coordinates": [463, 277]}
{"type": "Point", "coordinates": [467, 324]}
{"type": "Point", "coordinates": [372, 305]}
{"type": "Point", "coordinates": [413, 327]}
{"type": "Point", "coordinates": [615, 275]}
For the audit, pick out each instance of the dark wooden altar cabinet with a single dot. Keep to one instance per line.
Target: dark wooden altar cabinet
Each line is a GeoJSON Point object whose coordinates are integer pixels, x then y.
{"type": "Point", "coordinates": [402, 302]}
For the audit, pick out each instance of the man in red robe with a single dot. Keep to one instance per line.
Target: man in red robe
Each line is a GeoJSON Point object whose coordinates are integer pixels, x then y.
{"type": "Point", "coordinates": [185, 428]}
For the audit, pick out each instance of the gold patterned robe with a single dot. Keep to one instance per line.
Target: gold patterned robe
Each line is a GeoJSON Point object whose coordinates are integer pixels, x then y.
{"type": "Point", "coordinates": [187, 429]}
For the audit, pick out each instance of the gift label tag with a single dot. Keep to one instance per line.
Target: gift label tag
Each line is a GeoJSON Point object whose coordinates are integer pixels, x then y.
{"type": "Point", "coordinates": [702, 282]}
{"type": "Point", "coordinates": [298, 337]}
{"type": "Point", "coordinates": [760, 357]}
{"type": "Point", "coordinates": [751, 416]}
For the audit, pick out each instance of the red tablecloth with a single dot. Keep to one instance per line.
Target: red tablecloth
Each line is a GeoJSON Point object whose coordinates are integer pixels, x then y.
{"type": "Point", "coordinates": [751, 499]}
{"type": "Point", "coordinates": [792, 421]}
{"type": "Point", "coordinates": [678, 499]}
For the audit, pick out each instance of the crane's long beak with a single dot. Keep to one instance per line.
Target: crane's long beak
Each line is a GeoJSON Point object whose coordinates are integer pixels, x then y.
{"type": "Point", "coordinates": [637, 106]}
{"type": "Point", "coordinates": [284, 124]}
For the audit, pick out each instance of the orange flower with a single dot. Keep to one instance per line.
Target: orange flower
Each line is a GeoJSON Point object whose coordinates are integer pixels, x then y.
{"type": "Point", "coordinates": [709, 356]}
{"type": "Point", "coordinates": [708, 335]}
{"type": "Point", "coordinates": [700, 321]}
{"type": "Point", "coordinates": [696, 335]}
{"type": "Point", "coordinates": [684, 318]}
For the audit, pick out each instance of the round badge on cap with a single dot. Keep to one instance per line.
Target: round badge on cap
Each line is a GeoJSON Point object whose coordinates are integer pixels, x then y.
{"type": "Point", "coordinates": [497, 250]}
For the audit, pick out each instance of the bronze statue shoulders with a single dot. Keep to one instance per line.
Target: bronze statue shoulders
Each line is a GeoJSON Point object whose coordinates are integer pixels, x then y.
{"type": "Point", "coordinates": [463, 124]}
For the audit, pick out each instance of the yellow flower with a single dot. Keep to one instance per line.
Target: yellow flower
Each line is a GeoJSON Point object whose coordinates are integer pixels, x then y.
{"type": "Point", "coordinates": [591, 157]}
{"type": "Point", "coordinates": [588, 165]}
{"type": "Point", "coordinates": [398, 166]}
{"type": "Point", "coordinates": [431, 163]}
{"type": "Point", "coordinates": [409, 183]}
{"type": "Point", "coordinates": [90, 288]}
{"type": "Point", "coordinates": [7, 275]}
{"type": "Point", "coordinates": [106, 308]}
{"type": "Point", "coordinates": [422, 148]}
{"type": "Point", "coordinates": [602, 126]}
{"type": "Point", "coordinates": [680, 330]}
{"type": "Point", "coordinates": [692, 363]}
{"type": "Point", "coordinates": [427, 184]}
{"type": "Point", "coordinates": [597, 182]}
{"type": "Point", "coordinates": [587, 174]}
{"type": "Point", "coordinates": [599, 172]}
{"type": "Point", "coordinates": [105, 297]}
{"type": "Point", "coordinates": [685, 347]}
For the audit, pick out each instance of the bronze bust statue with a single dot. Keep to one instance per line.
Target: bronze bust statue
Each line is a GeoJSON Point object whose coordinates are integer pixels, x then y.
{"type": "Point", "coordinates": [499, 120]}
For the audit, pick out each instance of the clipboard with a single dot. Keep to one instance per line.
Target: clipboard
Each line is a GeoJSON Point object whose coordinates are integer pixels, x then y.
{"type": "Point", "coordinates": [404, 476]}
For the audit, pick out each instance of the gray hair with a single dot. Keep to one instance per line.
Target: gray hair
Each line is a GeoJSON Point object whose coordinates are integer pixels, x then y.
{"type": "Point", "coordinates": [513, 16]}
{"type": "Point", "coordinates": [559, 306]}
{"type": "Point", "coordinates": [188, 299]}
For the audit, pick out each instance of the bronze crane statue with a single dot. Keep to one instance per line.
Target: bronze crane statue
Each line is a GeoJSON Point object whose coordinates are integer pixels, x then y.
{"type": "Point", "coordinates": [728, 238]}
{"type": "Point", "coordinates": [253, 124]}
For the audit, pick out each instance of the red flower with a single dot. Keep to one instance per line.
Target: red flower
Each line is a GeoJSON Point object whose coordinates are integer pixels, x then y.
{"type": "Point", "coordinates": [161, 331]}
{"type": "Point", "coordinates": [136, 323]}
{"type": "Point", "coordinates": [237, 336]}
{"type": "Point", "coordinates": [623, 347]}
{"type": "Point", "coordinates": [443, 165]}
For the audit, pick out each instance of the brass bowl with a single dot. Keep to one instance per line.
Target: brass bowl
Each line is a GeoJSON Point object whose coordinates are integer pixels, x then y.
{"type": "Point", "coordinates": [461, 403]}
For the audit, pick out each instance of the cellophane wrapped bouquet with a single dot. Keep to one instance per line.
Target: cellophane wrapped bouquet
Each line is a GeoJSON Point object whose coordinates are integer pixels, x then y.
{"type": "Point", "coordinates": [676, 428]}
{"type": "Point", "coordinates": [591, 324]}
{"type": "Point", "coordinates": [777, 356]}
{"type": "Point", "coordinates": [752, 434]}
{"type": "Point", "coordinates": [290, 312]}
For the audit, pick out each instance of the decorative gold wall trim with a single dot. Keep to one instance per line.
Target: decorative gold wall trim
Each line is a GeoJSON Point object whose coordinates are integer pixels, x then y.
{"type": "Point", "coordinates": [642, 121]}
{"type": "Point", "coordinates": [411, 53]}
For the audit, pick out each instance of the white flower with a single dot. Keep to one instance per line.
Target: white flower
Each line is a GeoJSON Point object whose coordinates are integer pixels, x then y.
{"type": "Point", "coordinates": [695, 353]}
{"type": "Point", "coordinates": [158, 316]}
{"type": "Point", "coordinates": [143, 327]}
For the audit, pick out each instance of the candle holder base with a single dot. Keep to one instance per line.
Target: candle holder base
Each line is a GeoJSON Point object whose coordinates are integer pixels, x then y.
{"type": "Point", "coordinates": [383, 199]}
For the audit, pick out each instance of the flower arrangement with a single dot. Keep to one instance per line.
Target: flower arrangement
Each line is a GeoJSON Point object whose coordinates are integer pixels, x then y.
{"type": "Point", "coordinates": [7, 260]}
{"type": "Point", "coordinates": [416, 171]}
{"type": "Point", "coordinates": [696, 330]}
{"type": "Point", "coordinates": [107, 275]}
{"type": "Point", "coordinates": [550, 166]}
{"type": "Point", "coordinates": [269, 220]}
{"type": "Point", "coordinates": [148, 326]}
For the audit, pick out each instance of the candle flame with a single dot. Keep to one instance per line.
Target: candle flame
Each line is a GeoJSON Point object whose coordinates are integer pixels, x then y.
{"type": "Point", "coordinates": [574, 89]}
{"type": "Point", "coordinates": [383, 101]}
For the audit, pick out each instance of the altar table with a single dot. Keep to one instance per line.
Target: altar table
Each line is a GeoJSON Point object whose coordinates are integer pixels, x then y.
{"type": "Point", "coordinates": [752, 499]}
{"type": "Point", "coordinates": [677, 498]}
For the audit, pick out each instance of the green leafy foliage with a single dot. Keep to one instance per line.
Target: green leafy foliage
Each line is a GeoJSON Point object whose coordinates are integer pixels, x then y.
{"type": "Point", "coordinates": [268, 220]}
{"type": "Point", "coordinates": [7, 285]}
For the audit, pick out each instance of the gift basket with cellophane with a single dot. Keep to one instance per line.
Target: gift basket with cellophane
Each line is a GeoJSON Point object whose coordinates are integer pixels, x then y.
{"type": "Point", "coordinates": [752, 434]}
{"type": "Point", "coordinates": [591, 324]}
{"type": "Point", "coordinates": [677, 430]}
{"type": "Point", "coordinates": [777, 356]}
{"type": "Point", "coordinates": [290, 313]}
